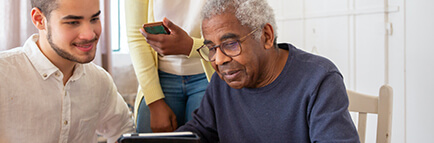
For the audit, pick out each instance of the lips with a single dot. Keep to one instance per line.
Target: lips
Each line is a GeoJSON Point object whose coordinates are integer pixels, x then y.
{"type": "Point", "coordinates": [231, 75]}
{"type": "Point", "coordinates": [84, 47]}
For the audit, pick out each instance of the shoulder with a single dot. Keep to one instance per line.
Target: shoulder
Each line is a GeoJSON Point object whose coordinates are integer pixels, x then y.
{"type": "Point", "coordinates": [13, 58]}
{"type": "Point", "coordinates": [97, 72]}
{"type": "Point", "coordinates": [96, 76]}
{"type": "Point", "coordinates": [312, 61]}
{"type": "Point", "coordinates": [308, 71]}
{"type": "Point", "coordinates": [6, 56]}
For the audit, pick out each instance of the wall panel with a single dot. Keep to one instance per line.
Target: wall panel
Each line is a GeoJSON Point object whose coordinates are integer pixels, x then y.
{"type": "Point", "coordinates": [419, 70]}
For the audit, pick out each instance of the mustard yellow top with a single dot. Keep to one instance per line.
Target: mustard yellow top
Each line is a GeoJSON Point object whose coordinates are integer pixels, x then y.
{"type": "Point", "coordinates": [144, 58]}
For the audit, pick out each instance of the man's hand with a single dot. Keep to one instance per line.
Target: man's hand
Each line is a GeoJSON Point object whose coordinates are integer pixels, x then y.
{"type": "Point", "coordinates": [176, 43]}
{"type": "Point", "coordinates": [162, 117]}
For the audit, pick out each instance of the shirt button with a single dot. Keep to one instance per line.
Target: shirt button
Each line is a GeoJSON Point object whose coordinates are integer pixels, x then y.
{"type": "Point", "coordinates": [66, 122]}
{"type": "Point", "coordinates": [57, 74]}
{"type": "Point", "coordinates": [45, 75]}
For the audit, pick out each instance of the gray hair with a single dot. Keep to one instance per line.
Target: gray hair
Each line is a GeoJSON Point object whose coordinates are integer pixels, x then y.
{"type": "Point", "coordinates": [250, 13]}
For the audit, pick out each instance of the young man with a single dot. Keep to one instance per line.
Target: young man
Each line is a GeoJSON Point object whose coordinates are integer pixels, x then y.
{"type": "Point", "coordinates": [264, 92]}
{"type": "Point", "coordinates": [49, 90]}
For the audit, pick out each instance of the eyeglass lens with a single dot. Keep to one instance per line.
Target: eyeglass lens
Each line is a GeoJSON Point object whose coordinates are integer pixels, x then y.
{"type": "Point", "coordinates": [231, 48]}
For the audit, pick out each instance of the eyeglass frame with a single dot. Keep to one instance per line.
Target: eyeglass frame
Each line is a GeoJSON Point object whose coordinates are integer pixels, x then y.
{"type": "Point", "coordinates": [239, 41]}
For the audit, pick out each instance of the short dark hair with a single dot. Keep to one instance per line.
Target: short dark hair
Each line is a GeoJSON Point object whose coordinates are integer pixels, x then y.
{"type": "Point", "coordinates": [45, 6]}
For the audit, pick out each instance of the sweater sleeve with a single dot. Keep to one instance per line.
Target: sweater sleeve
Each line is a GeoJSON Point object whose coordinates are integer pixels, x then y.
{"type": "Point", "coordinates": [204, 120]}
{"type": "Point", "coordinates": [197, 42]}
{"type": "Point", "coordinates": [329, 119]}
{"type": "Point", "coordinates": [142, 55]}
{"type": "Point", "coordinates": [207, 67]}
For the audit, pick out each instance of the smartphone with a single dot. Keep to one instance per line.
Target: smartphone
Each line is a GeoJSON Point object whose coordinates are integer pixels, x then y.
{"type": "Point", "coordinates": [156, 28]}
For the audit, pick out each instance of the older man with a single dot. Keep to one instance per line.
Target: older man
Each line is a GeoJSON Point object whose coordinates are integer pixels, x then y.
{"type": "Point", "coordinates": [263, 91]}
{"type": "Point", "coordinates": [49, 92]}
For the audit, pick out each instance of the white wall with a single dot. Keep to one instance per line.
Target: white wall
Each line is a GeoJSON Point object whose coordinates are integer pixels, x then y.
{"type": "Point", "coordinates": [419, 78]}
{"type": "Point", "coordinates": [372, 45]}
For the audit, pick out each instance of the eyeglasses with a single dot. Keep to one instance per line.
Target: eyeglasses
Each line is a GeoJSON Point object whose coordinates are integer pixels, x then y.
{"type": "Point", "coordinates": [229, 48]}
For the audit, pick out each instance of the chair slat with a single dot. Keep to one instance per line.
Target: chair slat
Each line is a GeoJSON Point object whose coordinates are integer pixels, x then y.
{"type": "Point", "coordinates": [361, 128]}
{"type": "Point", "coordinates": [382, 105]}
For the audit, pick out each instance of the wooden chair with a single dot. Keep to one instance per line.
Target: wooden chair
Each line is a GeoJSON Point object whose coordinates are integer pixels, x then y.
{"type": "Point", "coordinates": [380, 105]}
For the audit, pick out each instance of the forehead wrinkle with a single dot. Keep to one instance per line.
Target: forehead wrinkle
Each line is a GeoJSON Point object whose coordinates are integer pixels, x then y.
{"type": "Point", "coordinates": [223, 38]}
{"type": "Point", "coordinates": [222, 23]}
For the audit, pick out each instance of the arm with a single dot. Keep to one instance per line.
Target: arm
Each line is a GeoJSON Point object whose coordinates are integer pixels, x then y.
{"type": "Point", "coordinates": [115, 117]}
{"type": "Point", "coordinates": [197, 43]}
{"type": "Point", "coordinates": [204, 119]}
{"type": "Point", "coordinates": [145, 61]}
{"type": "Point", "coordinates": [329, 119]}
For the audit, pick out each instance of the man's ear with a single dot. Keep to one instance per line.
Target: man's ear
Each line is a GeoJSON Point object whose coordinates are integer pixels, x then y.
{"type": "Point", "coordinates": [38, 18]}
{"type": "Point", "coordinates": [268, 34]}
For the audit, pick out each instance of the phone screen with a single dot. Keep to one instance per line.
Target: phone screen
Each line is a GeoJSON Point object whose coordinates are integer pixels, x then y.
{"type": "Point", "coordinates": [156, 28]}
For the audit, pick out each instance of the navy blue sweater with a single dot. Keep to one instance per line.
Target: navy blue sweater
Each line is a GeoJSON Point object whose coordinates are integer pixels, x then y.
{"type": "Point", "coordinates": [306, 103]}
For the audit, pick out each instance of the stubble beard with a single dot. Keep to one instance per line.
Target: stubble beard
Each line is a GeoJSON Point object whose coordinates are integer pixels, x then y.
{"type": "Point", "coordinates": [68, 56]}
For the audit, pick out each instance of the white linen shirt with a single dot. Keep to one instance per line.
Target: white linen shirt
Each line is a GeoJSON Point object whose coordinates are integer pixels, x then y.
{"type": "Point", "coordinates": [35, 106]}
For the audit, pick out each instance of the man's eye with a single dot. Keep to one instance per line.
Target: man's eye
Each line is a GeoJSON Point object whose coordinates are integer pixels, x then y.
{"type": "Point", "coordinates": [72, 23]}
{"type": "Point", "coordinates": [210, 47]}
{"type": "Point", "coordinates": [94, 19]}
{"type": "Point", "coordinates": [230, 45]}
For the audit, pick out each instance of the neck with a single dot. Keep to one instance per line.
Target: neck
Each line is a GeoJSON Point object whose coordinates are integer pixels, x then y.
{"type": "Point", "coordinates": [67, 70]}
{"type": "Point", "coordinates": [273, 66]}
{"type": "Point", "coordinates": [64, 65]}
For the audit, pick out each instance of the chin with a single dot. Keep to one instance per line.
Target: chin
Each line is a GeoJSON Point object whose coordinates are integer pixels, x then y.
{"type": "Point", "coordinates": [86, 59]}
{"type": "Point", "coordinates": [235, 84]}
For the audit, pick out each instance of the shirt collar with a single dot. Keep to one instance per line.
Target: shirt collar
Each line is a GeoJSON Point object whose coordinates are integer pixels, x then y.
{"type": "Point", "coordinates": [41, 62]}
{"type": "Point", "coordinates": [79, 71]}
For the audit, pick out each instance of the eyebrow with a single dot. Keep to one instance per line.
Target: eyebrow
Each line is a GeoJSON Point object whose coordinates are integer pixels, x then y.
{"type": "Point", "coordinates": [96, 14]}
{"type": "Point", "coordinates": [80, 17]}
{"type": "Point", "coordinates": [224, 37]}
{"type": "Point", "coordinates": [207, 42]}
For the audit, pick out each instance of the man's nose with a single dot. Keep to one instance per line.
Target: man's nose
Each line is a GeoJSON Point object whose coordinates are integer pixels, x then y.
{"type": "Point", "coordinates": [220, 57]}
{"type": "Point", "coordinates": [87, 32]}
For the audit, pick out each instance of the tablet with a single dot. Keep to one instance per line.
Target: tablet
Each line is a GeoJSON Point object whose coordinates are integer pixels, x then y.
{"type": "Point", "coordinates": [169, 137]}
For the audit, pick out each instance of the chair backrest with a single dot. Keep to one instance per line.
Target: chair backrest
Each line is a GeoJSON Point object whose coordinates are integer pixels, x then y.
{"type": "Point", "coordinates": [381, 105]}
